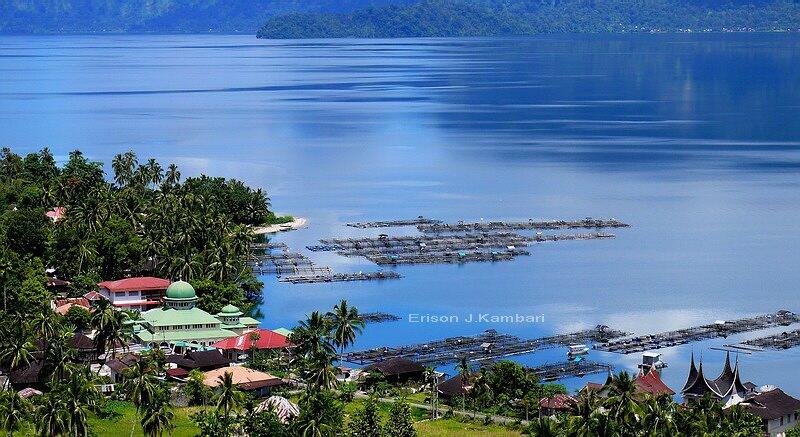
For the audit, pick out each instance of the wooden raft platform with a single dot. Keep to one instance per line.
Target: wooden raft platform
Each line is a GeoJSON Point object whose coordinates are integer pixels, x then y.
{"type": "Point", "coordinates": [446, 257]}
{"type": "Point", "coordinates": [394, 223]}
{"type": "Point", "coordinates": [489, 345]}
{"type": "Point", "coordinates": [682, 336]}
{"type": "Point", "coordinates": [339, 277]}
{"type": "Point", "coordinates": [784, 340]}
{"type": "Point", "coordinates": [569, 369]}
{"type": "Point", "coordinates": [378, 317]}
{"type": "Point", "coordinates": [520, 226]}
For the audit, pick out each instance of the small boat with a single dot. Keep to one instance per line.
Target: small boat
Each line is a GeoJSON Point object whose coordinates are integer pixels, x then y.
{"type": "Point", "coordinates": [577, 349]}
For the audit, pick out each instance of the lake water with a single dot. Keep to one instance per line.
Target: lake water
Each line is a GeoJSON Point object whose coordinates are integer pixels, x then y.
{"type": "Point", "coordinates": [693, 139]}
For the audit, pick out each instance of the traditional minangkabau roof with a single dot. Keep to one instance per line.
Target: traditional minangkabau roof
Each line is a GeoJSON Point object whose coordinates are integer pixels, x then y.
{"type": "Point", "coordinates": [772, 404]}
{"type": "Point", "coordinates": [727, 383]}
{"type": "Point", "coordinates": [692, 376]}
{"type": "Point", "coordinates": [135, 284]}
{"type": "Point", "coordinates": [651, 383]}
{"type": "Point", "coordinates": [266, 340]}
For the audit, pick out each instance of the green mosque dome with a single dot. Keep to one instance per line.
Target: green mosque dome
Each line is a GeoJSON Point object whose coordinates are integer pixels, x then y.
{"type": "Point", "coordinates": [181, 290]}
{"type": "Point", "coordinates": [230, 310]}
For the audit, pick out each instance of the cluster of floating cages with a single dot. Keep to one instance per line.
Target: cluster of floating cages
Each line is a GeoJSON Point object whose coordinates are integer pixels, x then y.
{"type": "Point", "coordinates": [394, 223]}
{"type": "Point", "coordinates": [569, 369]}
{"type": "Point", "coordinates": [446, 257]}
{"type": "Point", "coordinates": [489, 345]}
{"type": "Point", "coordinates": [530, 225]}
{"type": "Point", "coordinates": [378, 317]}
{"type": "Point", "coordinates": [442, 249]}
{"type": "Point", "coordinates": [682, 336]}
{"type": "Point", "coordinates": [268, 246]}
{"type": "Point", "coordinates": [301, 270]}
{"type": "Point", "coordinates": [339, 277]}
{"type": "Point", "coordinates": [784, 340]}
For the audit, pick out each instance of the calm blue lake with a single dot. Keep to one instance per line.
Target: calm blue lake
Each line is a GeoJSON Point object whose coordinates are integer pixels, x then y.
{"type": "Point", "coordinates": [693, 139]}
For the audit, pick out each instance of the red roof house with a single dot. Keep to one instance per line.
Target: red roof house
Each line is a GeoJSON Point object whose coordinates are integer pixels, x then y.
{"type": "Point", "coordinates": [266, 340]}
{"type": "Point", "coordinates": [139, 293]}
{"type": "Point", "coordinates": [651, 382]}
{"type": "Point", "coordinates": [556, 404]}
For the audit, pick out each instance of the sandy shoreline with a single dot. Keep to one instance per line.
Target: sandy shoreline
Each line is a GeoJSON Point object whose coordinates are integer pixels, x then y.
{"type": "Point", "coordinates": [297, 223]}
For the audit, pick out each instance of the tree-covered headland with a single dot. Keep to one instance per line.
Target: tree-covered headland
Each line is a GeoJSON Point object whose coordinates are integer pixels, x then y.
{"type": "Point", "coordinates": [142, 218]}
{"type": "Point", "coordinates": [450, 18]}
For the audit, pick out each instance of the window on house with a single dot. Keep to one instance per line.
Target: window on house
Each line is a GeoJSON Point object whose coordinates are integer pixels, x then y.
{"type": "Point", "coordinates": [781, 421]}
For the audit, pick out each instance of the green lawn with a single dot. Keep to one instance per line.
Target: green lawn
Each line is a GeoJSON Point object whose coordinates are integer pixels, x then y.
{"type": "Point", "coordinates": [454, 428]}
{"type": "Point", "coordinates": [125, 418]}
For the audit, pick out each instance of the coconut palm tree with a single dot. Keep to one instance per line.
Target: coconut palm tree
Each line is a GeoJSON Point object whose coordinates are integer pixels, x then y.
{"type": "Point", "coordinates": [658, 416]}
{"type": "Point", "coordinates": [172, 176]}
{"type": "Point", "coordinates": [157, 415]}
{"type": "Point", "coordinates": [621, 403]}
{"type": "Point", "coordinates": [465, 371]}
{"type": "Point", "coordinates": [229, 398]}
{"type": "Point", "coordinates": [346, 324]}
{"type": "Point", "coordinates": [313, 336]}
{"type": "Point", "coordinates": [14, 411]}
{"type": "Point", "coordinates": [58, 355]}
{"type": "Point", "coordinates": [583, 420]}
{"type": "Point", "coordinates": [140, 383]}
{"type": "Point", "coordinates": [5, 271]}
{"type": "Point", "coordinates": [79, 397]}
{"type": "Point", "coordinates": [16, 347]}
{"type": "Point", "coordinates": [52, 418]}
{"type": "Point", "coordinates": [545, 427]}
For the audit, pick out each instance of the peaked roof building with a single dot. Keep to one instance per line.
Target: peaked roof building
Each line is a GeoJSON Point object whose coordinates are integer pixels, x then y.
{"type": "Point", "coordinates": [727, 387]}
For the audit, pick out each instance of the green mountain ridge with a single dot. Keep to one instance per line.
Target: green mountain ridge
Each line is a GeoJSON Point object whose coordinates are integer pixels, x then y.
{"type": "Point", "coordinates": [163, 16]}
{"type": "Point", "coordinates": [442, 18]}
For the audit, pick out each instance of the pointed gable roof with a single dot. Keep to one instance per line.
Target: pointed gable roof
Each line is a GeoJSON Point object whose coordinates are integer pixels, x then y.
{"type": "Point", "coordinates": [651, 383]}
{"type": "Point", "coordinates": [692, 376]}
{"type": "Point", "coordinates": [725, 381]}
{"type": "Point", "coordinates": [700, 386]}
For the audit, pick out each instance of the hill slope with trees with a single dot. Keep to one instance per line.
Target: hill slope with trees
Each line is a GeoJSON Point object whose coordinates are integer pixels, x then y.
{"type": "Point", "coordinates": [438, 18]}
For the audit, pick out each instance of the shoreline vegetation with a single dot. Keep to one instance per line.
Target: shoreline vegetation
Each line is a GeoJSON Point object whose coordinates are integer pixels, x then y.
{"type": "Point", "coordinates": [463, 18]}
{"type": "Point", "coordinates": [85, 226]}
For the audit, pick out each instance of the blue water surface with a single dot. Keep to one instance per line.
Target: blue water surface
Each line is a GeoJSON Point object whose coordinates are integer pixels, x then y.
{"type": "Point", "coordinates": [693, 139]}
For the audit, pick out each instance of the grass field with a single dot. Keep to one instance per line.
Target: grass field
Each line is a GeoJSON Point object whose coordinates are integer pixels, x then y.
{"type": "Point", "coordinates": [453, 428]}
{"type": "Point", "coordinates": [123, 422]}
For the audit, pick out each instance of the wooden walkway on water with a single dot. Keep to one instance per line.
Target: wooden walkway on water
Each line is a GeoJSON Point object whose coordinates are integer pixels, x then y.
{"type": "Point", "coordinates": [394, 223]}
{"type": "Point", "coordinates": [662, 340]}
{"type": "Point", "coordinates": [339, 277]}
{"type": "Point", "coordinates": [489, 345]}
{"type": "Point", "coordinates": [569, 369]}
{"type": "Point", "coordinates": [378, 317]}
{"type": "Point", "coordinates": [783, 340]}
{"type": "Point", "coordinates": [530, 225]}
{"type": "Point", "coordinates": [446, 257]}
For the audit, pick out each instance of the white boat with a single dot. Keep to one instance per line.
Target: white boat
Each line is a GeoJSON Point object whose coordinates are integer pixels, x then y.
{"type": "Point", "coordinates": [577, 349]}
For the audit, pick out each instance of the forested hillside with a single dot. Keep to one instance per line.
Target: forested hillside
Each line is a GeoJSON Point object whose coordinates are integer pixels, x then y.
{"type": "Point", "coordinates": [525, 17]}
{"type": "Point", "coordinates": [79, 16]}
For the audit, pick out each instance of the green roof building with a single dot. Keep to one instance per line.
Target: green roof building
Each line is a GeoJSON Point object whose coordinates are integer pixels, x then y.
{"type": "Point", "coordinates": [179, 320]}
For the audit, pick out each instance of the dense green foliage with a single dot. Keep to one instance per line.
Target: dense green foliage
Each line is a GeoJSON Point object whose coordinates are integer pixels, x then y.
{"type": "Point", "coordinates": [439, 18]}
{"type": "Point", "coordinates": [194, 16]}
{"type": "Point", "coordinates": [144, 222]}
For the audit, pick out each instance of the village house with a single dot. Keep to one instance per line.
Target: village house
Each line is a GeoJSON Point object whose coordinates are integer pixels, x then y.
{"type": "Point", "coordinates": [139, 293]}
{"type": "Point", "coordinates": [258, 384]}
{"type": "Point", "coordinates": [237, 348]}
